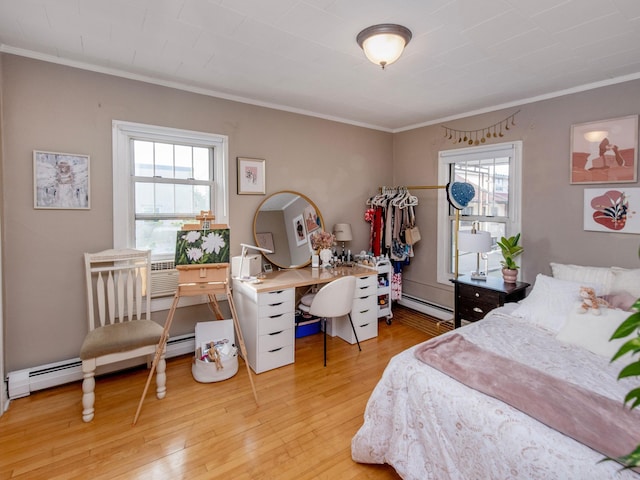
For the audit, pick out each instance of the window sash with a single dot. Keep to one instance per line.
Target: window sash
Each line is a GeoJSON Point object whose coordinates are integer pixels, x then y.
{"type": "Point", "coordinates": [124, 179]}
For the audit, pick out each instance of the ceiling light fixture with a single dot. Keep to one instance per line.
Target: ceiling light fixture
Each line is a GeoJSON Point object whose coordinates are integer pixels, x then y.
{"type": "Point", "coordinates": [383, 44]}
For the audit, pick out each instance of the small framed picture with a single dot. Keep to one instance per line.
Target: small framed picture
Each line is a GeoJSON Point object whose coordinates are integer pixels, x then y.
{"type": "Point", "coordinates": [267, 268]}
{"type": "Point", "coordinates": [251, 176]}
{"type": "Point", "coordinates": [300, 231]}
{"type": "Point", "coordinates": [265, 240]}
{"type": "Point", "coordinates": [60, 180]}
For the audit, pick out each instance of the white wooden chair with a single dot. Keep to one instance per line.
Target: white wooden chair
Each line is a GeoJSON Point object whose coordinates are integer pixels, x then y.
{"type": "Point", "coordinates": [119, 314]}
{"type": "Point", "coordinates": [335, 299]}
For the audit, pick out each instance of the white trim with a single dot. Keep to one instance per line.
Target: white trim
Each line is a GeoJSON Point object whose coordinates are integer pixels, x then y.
{"type": "Point", "coordinates": [447, 157]}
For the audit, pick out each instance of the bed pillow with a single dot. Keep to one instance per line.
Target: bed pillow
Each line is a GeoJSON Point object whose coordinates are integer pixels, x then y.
{"type": "Point", "coordinates": [549, 302]}
{"type": "Point", "coordinates": [621, 300]}
{"type": "Point", "coordinates": [594, 331]}
{"type": "Point", "coordinates": [626, 280]}
{"type": "Point", "coordinates": [602, 276]}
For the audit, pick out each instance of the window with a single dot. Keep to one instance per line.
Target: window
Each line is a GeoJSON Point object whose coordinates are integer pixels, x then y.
{"type": "Point", "coordinates": [494, 172]}
{"type": "Point", "coordinates": [163, 178]}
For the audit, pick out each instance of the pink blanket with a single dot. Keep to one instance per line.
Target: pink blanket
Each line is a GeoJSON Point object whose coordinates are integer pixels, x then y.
{"type": "Point", "coordinates": [603, 424]}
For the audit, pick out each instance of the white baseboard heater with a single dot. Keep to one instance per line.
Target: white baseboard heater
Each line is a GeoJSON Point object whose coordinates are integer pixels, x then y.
{"type": "Point", "coordinates": [428, 308]}
{"type": "Point", "coordinates": [22, 382]}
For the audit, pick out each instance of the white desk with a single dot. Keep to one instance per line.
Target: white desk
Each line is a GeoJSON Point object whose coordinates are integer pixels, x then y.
{"type": "Point", "coordinates": [266, 312]}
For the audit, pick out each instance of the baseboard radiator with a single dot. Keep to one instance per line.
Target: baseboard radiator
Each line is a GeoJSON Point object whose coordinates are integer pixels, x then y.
{"type": "Point", "coordinates": [420, 305]}
{"type": "Point", "coordinates": [22, 382]}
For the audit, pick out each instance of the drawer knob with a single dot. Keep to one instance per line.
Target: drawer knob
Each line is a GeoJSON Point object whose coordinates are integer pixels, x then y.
{"type": "Point", "coordinates": [477, 295]}
{"type": "Point", "coordinates": [275, 350]}
{"type": "Point", "coordinates": [276, 333]}
{"type": "Point", "coordinates": [477, 310]}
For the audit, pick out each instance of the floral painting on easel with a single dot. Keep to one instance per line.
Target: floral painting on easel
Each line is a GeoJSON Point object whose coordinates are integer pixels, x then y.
{"type": "Point", "coordinates": [194, 247]}
{"type": "Point", "coordinates": [612, 210]}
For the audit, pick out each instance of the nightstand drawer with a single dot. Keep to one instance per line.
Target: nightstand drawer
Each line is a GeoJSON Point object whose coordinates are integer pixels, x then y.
{"type": "Point", "coordinates": [478, 294]}
{"type": "Point", "coordinates": [475, 311]}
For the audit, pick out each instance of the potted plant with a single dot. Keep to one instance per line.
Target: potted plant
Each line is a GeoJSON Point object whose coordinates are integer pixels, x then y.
{"type": "Point", "coordinates": [510, 250]}
{"type": "Point", "coordinates": [630, 328]}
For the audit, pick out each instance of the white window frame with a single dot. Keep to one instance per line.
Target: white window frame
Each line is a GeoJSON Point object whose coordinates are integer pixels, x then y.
{"type": "Point", "coordinates": [123, 172]}
{"type": "Point", "coordinates": [513, 225]}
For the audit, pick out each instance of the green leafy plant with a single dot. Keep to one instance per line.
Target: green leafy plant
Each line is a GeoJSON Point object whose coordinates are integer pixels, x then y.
{"type": "Point", "coordinates": [510, 250]}
{"type": "Point", "coordinates": [630, 327]}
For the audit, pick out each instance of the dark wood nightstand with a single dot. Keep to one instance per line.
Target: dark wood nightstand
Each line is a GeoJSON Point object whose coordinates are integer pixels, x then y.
{"type": "Point", "coordinates": [474, 298]}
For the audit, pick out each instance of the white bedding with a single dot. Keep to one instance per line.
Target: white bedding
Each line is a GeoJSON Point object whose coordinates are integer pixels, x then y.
{"type": "Point", "coordinates": [429, 426]}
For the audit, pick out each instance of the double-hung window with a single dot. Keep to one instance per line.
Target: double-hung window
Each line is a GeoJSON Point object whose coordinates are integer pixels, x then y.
{"type": "Point", "coordinates": [163, 178]}
{"type": "Point", "coordinates": [495, 173]}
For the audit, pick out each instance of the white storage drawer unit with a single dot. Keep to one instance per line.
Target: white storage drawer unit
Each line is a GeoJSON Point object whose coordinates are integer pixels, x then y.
{"type": "Point", "coordinates": [364, 313]}
{"type": "Point", "coordinates": [267, 321]}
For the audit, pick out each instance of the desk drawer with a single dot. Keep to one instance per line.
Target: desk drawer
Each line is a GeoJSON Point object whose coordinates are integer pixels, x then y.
{"type": "Point", "coordinates": [273, 359]}
{"type": "Point", "coordinates": [276, 297]}
{"type": "Point", "coordinates": [275, 310]}
{"type": "Point", "coordinates": [363, 305]}
{"type": "Point", "coordinates": [275, 341]}
{"type": "Point", "coordinates": [276, 322]}
{"type": "Point", "coordinates": [366, 327]}
{"type": "Point", "coordinates": [478, 294]}
{"type": "Point", "coordinates": [366, 285]}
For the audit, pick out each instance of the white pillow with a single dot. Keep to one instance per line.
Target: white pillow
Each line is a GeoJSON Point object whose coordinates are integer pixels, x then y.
{"type": "Point", "coordinates": [549, 302]}
{"type": "Point", "coordinates": [626, 280]}
{"type": "Point", "coordinates": [601, 276]}
{"type": "Point", "coordinates": [594, 331]}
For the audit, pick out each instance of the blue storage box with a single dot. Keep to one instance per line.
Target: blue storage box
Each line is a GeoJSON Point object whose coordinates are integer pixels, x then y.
{"type": "Point", "coordinates": [304, 329]}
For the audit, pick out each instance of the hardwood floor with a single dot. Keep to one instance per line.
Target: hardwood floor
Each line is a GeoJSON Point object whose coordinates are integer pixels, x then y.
{"type": "Point", "coordinates": [302, 428]}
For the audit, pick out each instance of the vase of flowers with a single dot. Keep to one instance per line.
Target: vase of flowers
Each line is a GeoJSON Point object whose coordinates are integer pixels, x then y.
{"type": "Point", "coordinates": [321, 243]}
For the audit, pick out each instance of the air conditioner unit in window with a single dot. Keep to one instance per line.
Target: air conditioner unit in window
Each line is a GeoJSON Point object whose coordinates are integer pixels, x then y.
{"type": "Point", "coordinates": [164, 278]}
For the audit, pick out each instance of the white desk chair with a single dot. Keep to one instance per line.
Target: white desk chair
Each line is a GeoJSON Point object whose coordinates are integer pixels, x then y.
{"type": "Point", "coordinates": [335, 299]}
{"type": "Point", "coordinates": [119, 313]}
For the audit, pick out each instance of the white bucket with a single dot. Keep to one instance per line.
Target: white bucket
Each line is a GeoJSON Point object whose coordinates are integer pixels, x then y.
{"type": "Point", "coordinates": [218, 330]}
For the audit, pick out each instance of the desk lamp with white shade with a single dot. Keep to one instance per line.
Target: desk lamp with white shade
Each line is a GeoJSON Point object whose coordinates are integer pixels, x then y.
{"type": "Point", "coordinates": [342, 232]}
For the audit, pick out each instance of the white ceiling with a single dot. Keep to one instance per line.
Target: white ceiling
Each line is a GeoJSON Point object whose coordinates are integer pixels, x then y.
{"type": "Point", "coordinates": [466, 56]}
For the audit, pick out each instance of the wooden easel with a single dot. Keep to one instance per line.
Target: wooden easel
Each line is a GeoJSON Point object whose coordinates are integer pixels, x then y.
{"type": "Point", "coordinates": [193, 280]}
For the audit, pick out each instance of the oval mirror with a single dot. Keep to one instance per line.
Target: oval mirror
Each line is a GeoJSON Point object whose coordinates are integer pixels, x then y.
{"type": "Point", "coordinates": [282, 224]}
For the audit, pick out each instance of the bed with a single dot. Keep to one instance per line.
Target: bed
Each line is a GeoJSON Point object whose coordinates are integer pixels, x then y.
{"type": "Point", "coordinates": [427, 425]}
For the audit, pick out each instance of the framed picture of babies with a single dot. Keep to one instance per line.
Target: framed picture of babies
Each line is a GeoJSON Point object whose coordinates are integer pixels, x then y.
{"type": "Point", "coordinates": [605, 151]}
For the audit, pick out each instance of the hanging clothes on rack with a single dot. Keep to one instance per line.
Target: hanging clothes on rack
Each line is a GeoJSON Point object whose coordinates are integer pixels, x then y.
{"type": "Point", "coordinates": [391, 213]}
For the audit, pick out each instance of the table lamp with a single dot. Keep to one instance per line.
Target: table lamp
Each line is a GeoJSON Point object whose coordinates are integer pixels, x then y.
{"type": "Point", "coordinates": [478, 242]}
{"type": "Point", "coordinates": [342, 232]}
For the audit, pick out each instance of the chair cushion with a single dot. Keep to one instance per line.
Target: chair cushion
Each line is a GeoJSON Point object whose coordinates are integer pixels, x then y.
{"type": "Point", "coordinates": [120, 337]}
{"type": "Point", "coordinates": [307, 299]}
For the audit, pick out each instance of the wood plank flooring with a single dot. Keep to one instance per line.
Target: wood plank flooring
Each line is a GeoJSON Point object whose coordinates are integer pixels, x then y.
{"type": "Point", "coordinates": [302, 428]}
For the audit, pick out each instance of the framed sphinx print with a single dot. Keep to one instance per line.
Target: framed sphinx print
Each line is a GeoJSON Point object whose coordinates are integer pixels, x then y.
{"type": "Point", "coordinates": [605, 151]}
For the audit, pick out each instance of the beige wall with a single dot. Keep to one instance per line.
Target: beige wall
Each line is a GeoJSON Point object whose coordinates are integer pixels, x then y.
{"type": "Point", "coordinates": [56, 108]}
{"type": "Point", "coordinates": [552, 213]}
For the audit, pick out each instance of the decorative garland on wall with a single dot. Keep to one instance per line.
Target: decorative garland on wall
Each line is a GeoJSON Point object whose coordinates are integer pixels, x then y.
{"type": "Point", "coordinates": [476, 137]}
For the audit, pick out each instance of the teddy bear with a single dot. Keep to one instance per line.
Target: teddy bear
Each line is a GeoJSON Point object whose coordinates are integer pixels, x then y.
{"type": "Point", "coordinates": [590, 302]}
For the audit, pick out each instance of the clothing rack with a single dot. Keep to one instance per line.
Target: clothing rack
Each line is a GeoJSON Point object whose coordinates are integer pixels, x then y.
{"type": "Point", "coordinates": [436, 187]}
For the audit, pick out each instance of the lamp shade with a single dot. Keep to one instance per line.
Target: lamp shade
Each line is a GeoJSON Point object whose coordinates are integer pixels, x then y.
{"type": "Point", "coordinates": [342, 232]}
{"type": "Point", "coordinates": [383, 44]}
{"type": "Point", "coordinates": [478, 242]}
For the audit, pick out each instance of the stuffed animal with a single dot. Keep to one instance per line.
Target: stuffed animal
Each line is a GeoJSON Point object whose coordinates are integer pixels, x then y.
{"type": "Point", "coordinates": [590, 302]}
